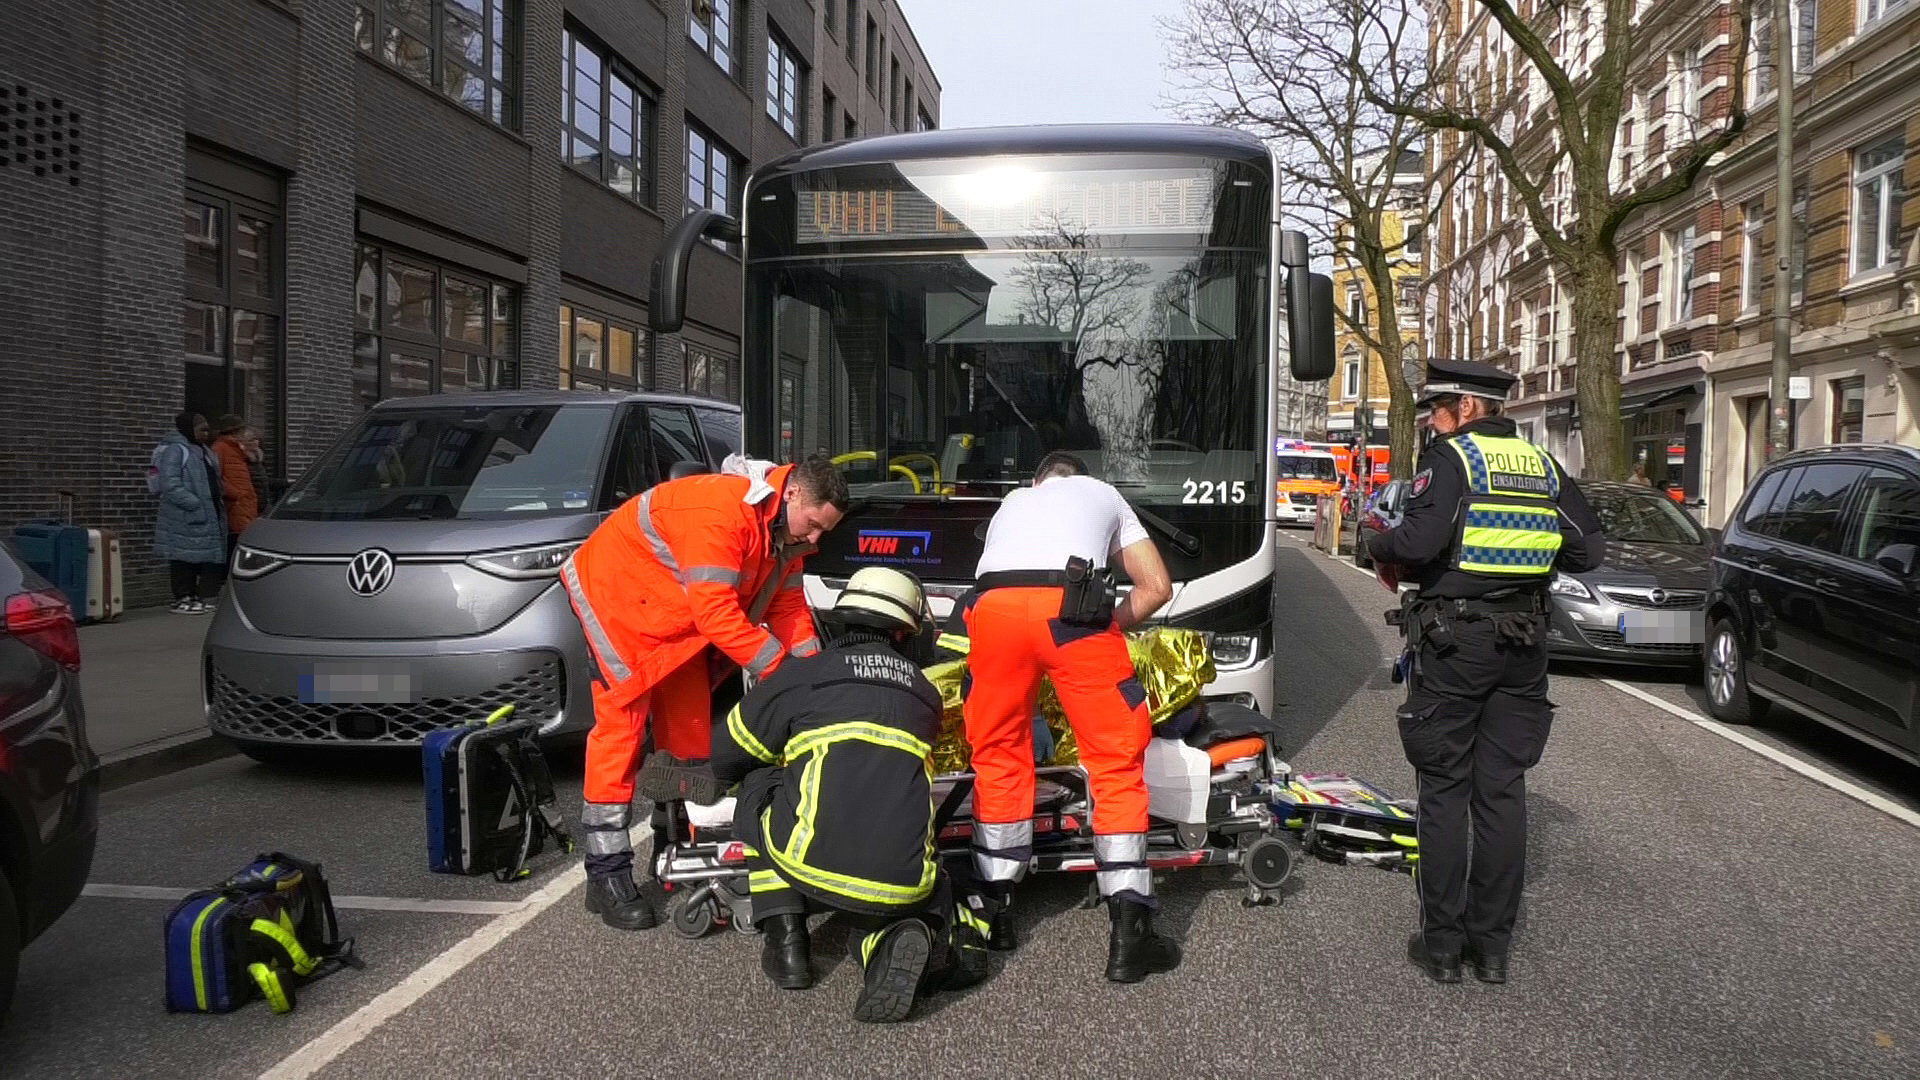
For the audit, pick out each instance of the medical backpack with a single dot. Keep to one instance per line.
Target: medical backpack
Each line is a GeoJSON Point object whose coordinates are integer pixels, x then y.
{"type": "Point", "coordinates": [490, 800]}
{"type": "Point", "coordinates": [261, 933]}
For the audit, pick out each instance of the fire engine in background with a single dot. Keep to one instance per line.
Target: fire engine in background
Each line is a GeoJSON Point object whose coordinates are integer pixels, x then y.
{"type": "Point", "coordinates": [1379, 457]}
{"type": "Point", "coordinates": [1305, 472]}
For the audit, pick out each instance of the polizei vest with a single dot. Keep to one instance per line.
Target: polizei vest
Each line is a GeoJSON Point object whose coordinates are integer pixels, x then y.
{"type": "Point", "coordinates": [1510, 517]}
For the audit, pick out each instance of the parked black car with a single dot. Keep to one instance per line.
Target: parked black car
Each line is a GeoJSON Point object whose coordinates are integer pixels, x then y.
{"type": "Point", "coordinates": [49, 776]}
{"type": "Point", "coordinates": [1815, 602]}
{"type": "Point", "coordinates": [1646, 603]}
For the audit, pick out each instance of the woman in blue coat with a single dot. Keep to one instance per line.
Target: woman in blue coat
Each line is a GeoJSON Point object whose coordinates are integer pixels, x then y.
{"type": "Point", "coordinates": [191, 532]}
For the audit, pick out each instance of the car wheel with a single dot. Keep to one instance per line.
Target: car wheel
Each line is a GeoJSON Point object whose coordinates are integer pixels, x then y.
{"type": "Point", "coordinates": [9, 945]}
{"type": "Point", "coordinates": [1728, 696]}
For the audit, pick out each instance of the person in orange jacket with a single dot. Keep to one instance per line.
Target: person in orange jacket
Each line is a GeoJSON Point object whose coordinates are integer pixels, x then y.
{"type": "Point", "coordinates": [696, 565]}
{"type": "Point", "coordinates": [237, 446]}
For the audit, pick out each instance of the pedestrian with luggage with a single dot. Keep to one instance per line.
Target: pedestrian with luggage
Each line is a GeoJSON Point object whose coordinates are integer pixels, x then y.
{"type": "Point", "coordinates": [190, 528]}
{"type": "Point", "coordinates": [701, 567]}
{"type": "Point", "coordinates": [1490, 518]}
{"type": "Point", "coordinates": [242, 498]}
{"type": "Point", "coordinates": [833, 754]}
{"type": "Point", "coordinates": [1045, 605]}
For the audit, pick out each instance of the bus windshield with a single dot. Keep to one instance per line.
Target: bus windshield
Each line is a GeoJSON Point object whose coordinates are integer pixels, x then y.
{"type": "Point", "coordinates": [939, 327]}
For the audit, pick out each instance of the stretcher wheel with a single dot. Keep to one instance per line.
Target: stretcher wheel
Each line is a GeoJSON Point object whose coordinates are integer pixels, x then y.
{"type": "Point", "coordinates": [1267, 862]}
{"type": "Point", "coordinates": [693, 916]}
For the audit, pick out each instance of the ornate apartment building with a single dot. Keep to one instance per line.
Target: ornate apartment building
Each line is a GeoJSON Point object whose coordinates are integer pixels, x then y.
{"type": "Point", "coordinates": [1361, 379]}
{"type": "Point", "coordinates": [1695, 272]}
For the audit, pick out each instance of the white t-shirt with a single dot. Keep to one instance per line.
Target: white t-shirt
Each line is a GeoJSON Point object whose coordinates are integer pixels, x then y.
{"type": "Point", "coordinates": [1041, 527]}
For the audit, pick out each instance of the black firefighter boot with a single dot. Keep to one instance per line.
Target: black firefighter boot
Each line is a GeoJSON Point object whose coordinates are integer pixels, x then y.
{"type": "Point", "coordinates": [1134, 951]}
{"type": "Point", "coordinates": [893, 961]}
{"type": "Point", "coordinates": [786, 955]}
{"type": "Point", "coordinates": [619, 902]}
{"type": "Point", "coordinates": [992, 902]}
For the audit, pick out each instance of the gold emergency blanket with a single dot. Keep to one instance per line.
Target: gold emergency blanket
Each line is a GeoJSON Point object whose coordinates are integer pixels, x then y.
{"type": "Point", "coordinates": [1173, 665]}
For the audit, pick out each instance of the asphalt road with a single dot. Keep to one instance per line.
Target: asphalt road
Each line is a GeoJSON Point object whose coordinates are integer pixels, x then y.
{"type": "Point", "coordinates": [1694, 909]}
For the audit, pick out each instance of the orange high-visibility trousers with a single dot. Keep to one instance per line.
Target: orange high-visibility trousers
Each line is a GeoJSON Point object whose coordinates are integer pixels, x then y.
{"type": "Point", "coordinates": [1017, 637]}
{"type": "Point", "coordinates": [679, 709]}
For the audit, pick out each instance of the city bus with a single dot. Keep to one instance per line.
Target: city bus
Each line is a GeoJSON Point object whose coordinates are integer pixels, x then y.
{"type": "Point", "coordinates": [935, 311]}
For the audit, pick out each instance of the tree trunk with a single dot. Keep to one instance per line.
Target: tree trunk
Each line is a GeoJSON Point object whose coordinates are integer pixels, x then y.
{"type": "Point", "coordinates": [1596, 329]}
{"type": "Point", "coordinates": [1401, 439]}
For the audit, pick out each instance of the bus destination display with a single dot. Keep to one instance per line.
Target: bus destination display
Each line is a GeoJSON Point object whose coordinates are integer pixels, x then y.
{"type": "Point", "coordinates": [950, 207]}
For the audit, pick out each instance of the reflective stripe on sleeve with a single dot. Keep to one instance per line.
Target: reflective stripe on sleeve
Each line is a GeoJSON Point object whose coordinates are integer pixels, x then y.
{"type": "Point", "coordinates": [809, 647]}
{"type": "Point", "coordinates": [712, 575]}
{"type": "Point", "coordinates": [609, 657]}
{"type": "Point", "coordinates": [660, 549]}
{"type": "Point", "coordinates": [737, 728]}
{"type": "Point", "coordinates": [768, 655]}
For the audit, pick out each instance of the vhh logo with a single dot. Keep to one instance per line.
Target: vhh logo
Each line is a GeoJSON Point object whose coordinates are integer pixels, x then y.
{"type": "Point", "coordinates": [879, 545]}
{"type": "Point", "coordinates": [890, 542]}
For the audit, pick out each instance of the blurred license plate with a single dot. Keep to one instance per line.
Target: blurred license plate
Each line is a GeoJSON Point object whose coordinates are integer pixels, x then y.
{"type": "Point", "coordinates": [357, 683]}
{"type": "Point", "coordinates": [1663, 627]}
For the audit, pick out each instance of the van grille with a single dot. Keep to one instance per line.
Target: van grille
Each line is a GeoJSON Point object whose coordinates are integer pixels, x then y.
{"type": "Point", "coordinates": [239, 712]}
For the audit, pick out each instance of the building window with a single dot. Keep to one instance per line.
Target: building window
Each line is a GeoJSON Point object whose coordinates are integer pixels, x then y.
{"type": "Point", "coordinates": [1761, 60]}
{"type": "Point", "coordinates": [1849, 410]}
{"type": "Point", "coordinates": [851, 130]}
{"type": "Point", "coordinates": [1350, 375]}
{"type": "Point", "coordinates": [1797, 254]}
{"type": "Point", "coordinates": [1684, 89]}
{"type": "Point", "coordinates": [1874, 9]}
{"type": "Point", "coordinates": [926, 120]}
{"type": "Point", "coordinates": [786, 88]}
{"type": "Point", "coordinates": [609, 120]}
{"type": "Point", "coordinates": [1415, 242]}
{"type": "Point", "coordinates": [906, 107]}
{"type": "Point", "coordinates": [1752, 234]}
{"type": "Point", "coordinates": [467, 49]}
{"type": "Point", "coordinates": [853, 30]}
{"type": "Point", "coordinates": [1878, 187]}
{"type": "Point", "coordinates": [894, 113]}
{"type": "Point", "coordinates": [873, 57]}
{"type": "Point", "coordinates": [711, 28]}
{"type": "Point", "coordinates": [712, 173]}
{"type": "Point", "coordinates": [832, 14]}
{"type": "Point", "coordinates": [598, 352]}
{"type": "Point", "coordinates": [829, 110]}
{"type": "Point", "coordinates": [1677, 268]}
{"type": "Point", "coordinates": [711, 372]}
{"type": "Point", "coordinates": [426, 328]}
{"type": "Point", "coordinates": [231, 310]}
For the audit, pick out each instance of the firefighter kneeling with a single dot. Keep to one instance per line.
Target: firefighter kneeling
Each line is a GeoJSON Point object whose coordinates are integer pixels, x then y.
{"type": "Point", "coordinates": [833, 755]}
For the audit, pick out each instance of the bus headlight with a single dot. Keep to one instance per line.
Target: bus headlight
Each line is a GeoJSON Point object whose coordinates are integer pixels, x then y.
{"type": "Point", "coordinates": [1232, 652]}
{"type": "Point", "coordinates": [525, 563]}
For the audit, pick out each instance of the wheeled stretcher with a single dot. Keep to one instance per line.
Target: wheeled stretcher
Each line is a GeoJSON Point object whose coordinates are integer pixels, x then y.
{"type": "Point", "coordinates": [1210, 803]}
{"type": "Point", "coordinates": [1341, 819]}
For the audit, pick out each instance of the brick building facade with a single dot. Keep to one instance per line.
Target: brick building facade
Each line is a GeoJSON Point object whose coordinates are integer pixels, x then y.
{"type": "Point", "coordinates": [381, 197]}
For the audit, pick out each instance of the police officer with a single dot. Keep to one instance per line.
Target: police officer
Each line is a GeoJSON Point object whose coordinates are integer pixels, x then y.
{"type": "Point", "coordinates": [833, 756]}
{"type": "Point", "coordinates": [1490, 518]}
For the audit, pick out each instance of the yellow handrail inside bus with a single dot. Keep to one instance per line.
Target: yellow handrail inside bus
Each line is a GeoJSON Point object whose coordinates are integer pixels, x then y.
{"type": "Point", "coordinates": [895, 465]}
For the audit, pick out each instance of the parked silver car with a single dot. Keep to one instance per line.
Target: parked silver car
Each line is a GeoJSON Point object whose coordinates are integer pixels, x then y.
{"type": "Point", "coordinates": [409, 580]}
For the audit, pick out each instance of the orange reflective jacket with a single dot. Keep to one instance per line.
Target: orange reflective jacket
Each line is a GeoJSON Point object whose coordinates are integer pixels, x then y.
{"type": "Point", "coordinates": [679, 568]}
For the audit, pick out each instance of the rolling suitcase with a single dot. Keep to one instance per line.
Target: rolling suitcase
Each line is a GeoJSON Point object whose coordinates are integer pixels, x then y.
{"type": "Point", "coordinates": [490, 800]}
{"type": "Point", "coordinates": [59, 554]}
{"type": "Point", "coordinates": [106, 596]}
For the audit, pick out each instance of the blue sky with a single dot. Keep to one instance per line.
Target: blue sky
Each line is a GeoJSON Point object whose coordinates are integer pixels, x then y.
{"type": "Point", "coordinates": [1044, 61]}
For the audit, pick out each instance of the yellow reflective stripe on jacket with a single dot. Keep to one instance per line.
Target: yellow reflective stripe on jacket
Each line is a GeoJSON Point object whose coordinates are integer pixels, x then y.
{"type": "Point", "coordinates": [737, 728]}
{"type": "Point", "coordinates": [765, 881]}
{"type": "Point", "coordinates": [1507, 531]}
{"type": "Point", "coordinates": [874, 892]}
{"type": "Point", "coordinates": [879, 734]}
{"type": "Point", "coordinates": [955, 643]}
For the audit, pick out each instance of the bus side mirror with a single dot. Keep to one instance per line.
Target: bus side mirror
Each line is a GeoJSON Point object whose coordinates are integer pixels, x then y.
{"type": "Point", "coordinates": [667, 293]}
{"type": "Point", "coordinates": [1309, 312]}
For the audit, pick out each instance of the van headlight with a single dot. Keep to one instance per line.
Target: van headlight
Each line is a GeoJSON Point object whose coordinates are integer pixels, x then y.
{"type": "Point", "coordinates": [250, 563]}
{"type": "Point", "coordinates": [1234, 651]}
{"type": "Point", "coordinates": [522, 564]}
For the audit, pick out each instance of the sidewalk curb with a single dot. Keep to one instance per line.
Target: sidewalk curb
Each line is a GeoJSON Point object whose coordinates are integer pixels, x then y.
{"type": "Point", "coordinates": [159, 759]}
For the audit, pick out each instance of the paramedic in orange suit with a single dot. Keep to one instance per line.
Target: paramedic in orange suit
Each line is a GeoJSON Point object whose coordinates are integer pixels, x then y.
{"type": "Point", "coordinates": [696, 565]}
{"type": "Point", "coordinates": [1018, 635]}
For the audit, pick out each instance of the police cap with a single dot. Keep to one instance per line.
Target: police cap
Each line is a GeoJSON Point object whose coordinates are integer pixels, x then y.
{"type": "Point", "coordinates": [1465, 377]}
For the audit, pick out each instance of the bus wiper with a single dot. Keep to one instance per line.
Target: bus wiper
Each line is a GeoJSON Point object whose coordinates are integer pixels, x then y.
{"type": "Point", "coordinates": [1183, 541]}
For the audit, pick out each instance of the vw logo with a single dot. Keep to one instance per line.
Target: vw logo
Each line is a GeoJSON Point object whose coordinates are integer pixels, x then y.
{"type": "Point", "coordinates": [370, 572]}
{"type": "Point", "coordinates": [1659, 597]}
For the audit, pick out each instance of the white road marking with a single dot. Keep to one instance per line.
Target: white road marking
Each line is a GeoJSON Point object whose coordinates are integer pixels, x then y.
{"type": "Point", "coordinates": [364, 1021]}
{"type": "Point", "coordinates": [1774, 754]}
{"type": "Point", "coordinates": [346, 903]}
{"type": "Point", "coordinates": [1771, 753]}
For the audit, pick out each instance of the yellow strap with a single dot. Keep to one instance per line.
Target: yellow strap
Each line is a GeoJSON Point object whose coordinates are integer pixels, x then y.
{"type": "Point", "coordinates": [955, 643]}
{"type": "Point", "coordinates": [199, 969]}
{"type": "Point", "coordinates": [303, 962]}
{"type": "Point", "coordinates": [268, 980]}
{"type": "Point", "coordinates": [499, 714]}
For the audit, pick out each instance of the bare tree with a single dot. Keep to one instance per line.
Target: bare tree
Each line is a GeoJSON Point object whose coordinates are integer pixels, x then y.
{"type": "Point", "coordinates": [1315, 78]}
{"type": "Point", "coordinates": [1545, 104]}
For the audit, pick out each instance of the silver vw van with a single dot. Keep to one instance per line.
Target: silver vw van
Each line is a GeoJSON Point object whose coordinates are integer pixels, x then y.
{"type": "Point", "coordinates": [410, 579]}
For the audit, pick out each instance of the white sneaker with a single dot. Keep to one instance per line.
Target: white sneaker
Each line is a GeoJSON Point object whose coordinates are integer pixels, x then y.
{"type": "Point", "coordinates": [186, 605]}
{"type": "Point", "coordinates": [203, 607]}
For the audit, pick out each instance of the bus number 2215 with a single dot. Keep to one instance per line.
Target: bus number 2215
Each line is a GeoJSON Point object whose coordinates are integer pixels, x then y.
{"type": "Point", "coordinates": [1213, 492]}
